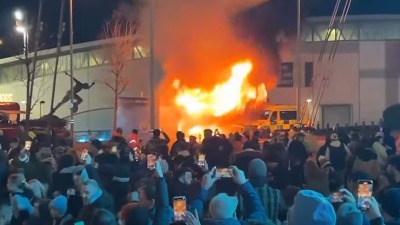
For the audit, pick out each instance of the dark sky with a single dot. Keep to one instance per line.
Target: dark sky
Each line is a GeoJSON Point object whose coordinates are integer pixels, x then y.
{"type": "Point", "coordinates": [91, 14]}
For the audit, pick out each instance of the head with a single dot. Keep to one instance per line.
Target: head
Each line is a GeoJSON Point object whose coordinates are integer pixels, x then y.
{"type": "Point", "coordinates": [15, 182]}
{"type": "Point", "coordinates": [156, 133]}
{"type": "Point", "coordinates": [147, 195]}
{"type": "Point", "coordinates": [133, 214]}
{"type": "Point", "coordinates": [119, 131]}
{"type": "Point", "coordinates": [208, 133]}
{"type": "Point", "coordinates": [180, 135]}
{"type": "Point", "coordinates": [257, 169]}
{"type": "Point", "coordinates": [391, 120]}
{"type": "Point", "coordinates": [184, 175]}
{"type": "Point", "coordinates": [223, 206]}
{"type": "Point", "coordinates": [192, 139]}
{"type": "Point", "coordinates": [89, 191]}
{"type": "Point", "coordinates": [352, 180]}
{"type": "Point", "coordinates": [256, 135]}
{"type": "Point", "coordinates": [390, 202]}
{"type": "Point", "coordinates": [135, 131]}
{"type": "Point", "coordinates": [104, 217]}
{"type": "Point", "coordinates": [379, 139]}
{"type": "Point", "coordinates": [58, 207]}
{"type": "Point", "coordinates": [318, 211]}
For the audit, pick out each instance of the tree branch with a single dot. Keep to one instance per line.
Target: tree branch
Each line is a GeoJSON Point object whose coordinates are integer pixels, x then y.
{"type": "Point", "coordinates": [122, 89]}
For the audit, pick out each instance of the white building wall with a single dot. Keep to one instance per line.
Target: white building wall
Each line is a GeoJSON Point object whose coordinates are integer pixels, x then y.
{"type": "Point", "coordinates": [95, 112]}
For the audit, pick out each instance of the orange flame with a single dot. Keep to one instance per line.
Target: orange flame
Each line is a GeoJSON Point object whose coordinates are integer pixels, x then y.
{"type": "Point", "coordinates": [224, 98]}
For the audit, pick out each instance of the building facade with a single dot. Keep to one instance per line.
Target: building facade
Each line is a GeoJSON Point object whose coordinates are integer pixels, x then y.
{"type": "Point", "coordinates": [363, 76]}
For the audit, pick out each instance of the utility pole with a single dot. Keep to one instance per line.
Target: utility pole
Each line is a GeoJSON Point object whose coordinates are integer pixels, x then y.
{"type": "Point", "coordinates": [297, 66]}
{"type": "Point", "coordinates": [71, 64]}
{"type": "Point", "coordinates": [151, 69]}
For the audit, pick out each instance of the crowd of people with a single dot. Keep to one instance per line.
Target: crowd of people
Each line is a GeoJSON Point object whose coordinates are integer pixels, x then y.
{"type": "Point", "coordinates": [353, 179]}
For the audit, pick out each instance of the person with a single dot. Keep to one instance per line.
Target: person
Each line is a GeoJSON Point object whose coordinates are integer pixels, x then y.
{"type": "Point", "coordinates": [253, 143]}
{"type": "Point", "coordinates": [156, 143]}
{"type": "Point", "coordinates": [79, 86]}
{"type": "Point", "coordinates": [391, 124]}
{"type": "Point", "coordinates": [316, 174]}
{"type": "Point", "coordinates": [103, 217]}
{"type": "Point", "coordinates": [297, 155]}
{"type": "Point", "coordinates": [156, 199]}
{"type": "Point", "coordinates": [180, 146]}
{"type": "Point", "coordinates": [20, 202]}
{"type": "Point", "coordinates": [271, 198]}
{"type": "Point", "coordinates": [134, 141]}
{"type": "Point", "coordinates": [390, 202]}
{"type": "Point", "coordinates": [222, 207]}
{"type": "Point", "coordinates": [93, 198]}
{"type": "Point", "coordinates": [59, 211]}
{"type": "Point", "coordinates": [4, 142]}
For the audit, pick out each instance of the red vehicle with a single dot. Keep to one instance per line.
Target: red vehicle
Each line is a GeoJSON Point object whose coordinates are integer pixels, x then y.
{"type": "Point", "coordinates": [10, 118]}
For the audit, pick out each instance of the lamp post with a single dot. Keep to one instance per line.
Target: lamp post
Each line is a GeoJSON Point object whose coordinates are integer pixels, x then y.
{"type": "Point", "coordinates": [297, 69]}
{"type": "Point", "coordinates": [41, 103]}
{"type": "Point", "coordinates": [71, 58]}
{"type": "Point", "coordinates": [151, 69]}
{"type": "Point", "coordinates": [21, 27]}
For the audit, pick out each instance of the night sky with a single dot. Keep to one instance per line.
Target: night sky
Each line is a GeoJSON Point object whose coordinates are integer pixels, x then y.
{"type": "Point", "coordinates": [91, 14]}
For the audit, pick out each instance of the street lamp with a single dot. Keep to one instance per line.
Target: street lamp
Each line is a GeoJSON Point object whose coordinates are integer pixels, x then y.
{"type": "Point", "coordinates": [19, 15]}
{"type": "Point", "coordinates": [71, 64]}
{"type": "Point", "coordinates": [21, 27]}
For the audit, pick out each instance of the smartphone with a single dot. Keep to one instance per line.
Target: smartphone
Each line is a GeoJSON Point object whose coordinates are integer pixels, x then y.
{"type": "Point", "coordinates": [223, 173]}
{"type": "Point", "coordinates": [201, 161]}
{"type": "Point", "coordinates": [114, 149]}
{"type": "Point", "coordinates": [79, 223]}
{"type": "Point", "coordinates": [179, 204]}
{"type": "Point", "coordinates": [28, 145]}
{"type": "Point", "coordinates": [151, 161]}
{"type": "Point", "coordinates": [336, 197]}
{"type": "Point", "coordinates": [84, 154]}
{"type": "Point", "coordinates": [364, 193]}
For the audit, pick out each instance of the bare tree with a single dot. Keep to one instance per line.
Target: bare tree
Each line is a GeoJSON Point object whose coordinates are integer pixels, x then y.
{"type": "Point", "coordinates": [121, 33]}
{"type": "Point", "coordinates": [41, 85]}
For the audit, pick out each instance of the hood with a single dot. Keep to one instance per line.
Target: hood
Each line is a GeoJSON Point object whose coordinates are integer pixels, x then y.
{"type": "Point", "coordinates": [257, 168]}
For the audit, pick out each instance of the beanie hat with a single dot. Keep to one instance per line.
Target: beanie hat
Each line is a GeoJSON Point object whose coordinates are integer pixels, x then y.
{"type": "Point", "coordinates": [390, 202]}
{"type": "Point", "coordinates": [222, 206]}
{"type": "Point", "coordinates": [318, 209]}
{"type": "Point", "coordinates": [349, 214]}
{"type": "Point", "coordinates": [257, 168]}
{"type": "Point", "coordinates": [59, 204]}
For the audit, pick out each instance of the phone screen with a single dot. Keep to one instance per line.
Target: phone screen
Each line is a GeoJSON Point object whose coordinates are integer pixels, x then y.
{"type": "Point", "coordinates": [364, 193]}
{"type": "Point", "coordinates": [224, 173]}
{"type": "Point", "coordinates": [79, 223]}
{"type": "Point", "coordinates": [28, 145]}
{"type": "Point", "coordinates": [179, 208]}
{"type": "Point", "coordinates": [202, 160]}
{"type": "Point", "coordinates": [151, 161]}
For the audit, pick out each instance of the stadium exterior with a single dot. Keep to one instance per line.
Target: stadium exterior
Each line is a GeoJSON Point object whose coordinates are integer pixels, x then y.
{"type": "Point", "coordinates": [364, 78]}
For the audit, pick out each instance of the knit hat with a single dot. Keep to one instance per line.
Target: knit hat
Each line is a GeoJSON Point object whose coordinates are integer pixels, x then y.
{"type": "Point", "coordinates": [59, 204]}
{"type": "Point", "coordinates": [349, 214]}
{"type": "Point", "coordinates": [222, 206]}
{"type": "Point", "coordinates": [257, 168]}
{"type": "Point", "coordinates": [390, 202]}
{"type": "Point", "coordinates": [318, 209]}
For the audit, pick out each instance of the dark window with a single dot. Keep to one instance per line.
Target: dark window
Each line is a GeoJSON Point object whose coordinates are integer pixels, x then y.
{"type": "Point", "coordinates": [288, 115]}
{"type": "Point", "coordinates": [308, 73]}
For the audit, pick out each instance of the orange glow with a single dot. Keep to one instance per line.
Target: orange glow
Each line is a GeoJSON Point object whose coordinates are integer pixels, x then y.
{"type": "Point", "coordinates": [224, 98]}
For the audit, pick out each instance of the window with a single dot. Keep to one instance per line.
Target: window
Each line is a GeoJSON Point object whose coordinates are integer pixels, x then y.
{"type": "Point", "coordinates": [265, 115]}
{"type": "Point", "coordinates": [288, 115]}
{"type": "Point", "coordinates": [308, 73]}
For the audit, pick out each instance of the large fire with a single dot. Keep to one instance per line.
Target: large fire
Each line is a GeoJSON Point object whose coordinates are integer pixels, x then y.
{"type": "Point", "coordinates": [230, 96]}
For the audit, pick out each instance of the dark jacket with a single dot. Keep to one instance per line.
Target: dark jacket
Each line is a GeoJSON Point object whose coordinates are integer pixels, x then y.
{"type": "Point", "coordinates": [105, 201]}
{"type": "Point", "coordinates": [162, 214]}
{"type": "Point", "coordinates": [65, 220]}
{"type": "Point", "coordinates": [252, 204]}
